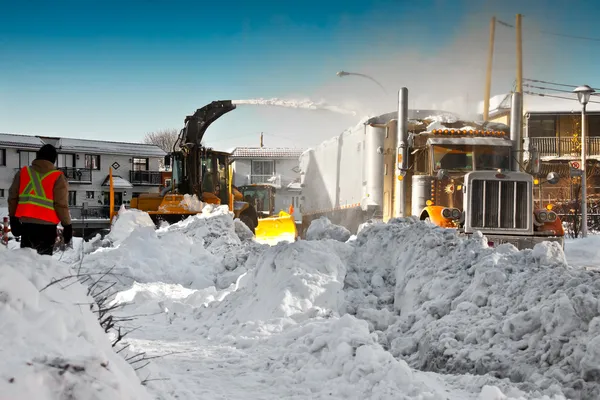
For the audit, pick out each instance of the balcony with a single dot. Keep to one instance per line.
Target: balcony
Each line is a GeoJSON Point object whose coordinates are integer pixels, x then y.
{"type": "Point", "coordinates": [564, 147]}
{"type": "Point", "coordinates": [152, 178]}
{"type": "Point", "coordinates": [77, 175]}
{"type": "Point", "coordinates": [91, 212]}
{"type": "Point", "coordinates": [274, 180]}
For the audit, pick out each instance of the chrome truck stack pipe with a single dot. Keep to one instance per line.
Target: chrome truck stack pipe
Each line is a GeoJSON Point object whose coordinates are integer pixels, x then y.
{"type": "Point", "coordinates": [516, 126]}
{"type": "Point", "coordinates": [401, 155]}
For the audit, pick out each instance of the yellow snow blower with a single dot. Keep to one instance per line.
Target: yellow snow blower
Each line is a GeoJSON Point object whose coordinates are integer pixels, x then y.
{"type": "Point", "coordinates": [203, 175]}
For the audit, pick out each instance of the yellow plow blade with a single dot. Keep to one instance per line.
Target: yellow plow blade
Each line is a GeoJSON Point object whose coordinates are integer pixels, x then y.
{"type": "Point", "coordinates": [276, 229]}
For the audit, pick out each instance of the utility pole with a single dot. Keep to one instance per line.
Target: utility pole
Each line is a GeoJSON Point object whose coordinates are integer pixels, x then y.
{"type": "Point", "coordinates": [488, 77]}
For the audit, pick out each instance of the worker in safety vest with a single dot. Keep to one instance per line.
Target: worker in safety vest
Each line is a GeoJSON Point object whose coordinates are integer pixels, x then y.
{"type": "Point", "coordinates": [38, 200]}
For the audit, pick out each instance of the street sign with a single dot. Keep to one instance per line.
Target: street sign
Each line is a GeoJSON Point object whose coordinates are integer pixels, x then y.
{"type": "Point", "coordinates": [575, 168]}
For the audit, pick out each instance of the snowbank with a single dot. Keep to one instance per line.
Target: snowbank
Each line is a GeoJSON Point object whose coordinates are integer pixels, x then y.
{"type": "Point", "coordinates": [52, 344]}
{"type": "Point", "coordinates": [322, 228]}
{"type": "Point", "coordinates": [584, 252]}
{"type": "Point", "coordinates": [126, 221]}
{"type": "Point", "coordinates": [451, 305]}
{"type": "Point", "coordinates": [201, 251]}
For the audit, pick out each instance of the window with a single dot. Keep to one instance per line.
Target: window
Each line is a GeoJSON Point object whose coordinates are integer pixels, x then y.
{"type": "Point", "coordinates": [65, 161]}
{"type": "Point", "coordinates": [168, 182]}
{"type": "Point", "coordinates": [3, 157]}
{"type": "Point", "coordinates": [72, 198]}
{"type": "Point", "coordinates": [26, 158]}
{"type": "Point", "coordinates": [456, 157]}
{"type": "Point", "coordinates": [1, 193]}
{"type": "Point", "coordinates": [263, 167]}
{"type": "Point", "coordinates": [92, 161]}
{"type": "Point", "coordinates": [140, 164]}
{"type": "Point", "coordinates": [542, 126]}
{"type": "Point", "coordinates": [89, 194]}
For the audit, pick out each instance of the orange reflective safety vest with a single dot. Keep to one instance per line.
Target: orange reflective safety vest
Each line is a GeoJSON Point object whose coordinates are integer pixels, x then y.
{"type": "Point", "coordinates": [36, 195]}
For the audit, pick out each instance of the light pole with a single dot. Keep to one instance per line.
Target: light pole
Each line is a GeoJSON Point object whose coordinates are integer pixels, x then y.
{"type": "Point", "coordinates": [344, 73]}
{"type": "Point", "coordinates": [583, 95]}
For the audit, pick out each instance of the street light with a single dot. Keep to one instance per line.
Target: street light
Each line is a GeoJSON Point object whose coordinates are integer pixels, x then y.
{"type": "Point", "coordinates": [344, 73]}
{"type": "Point", "coordinates": [583, 95]}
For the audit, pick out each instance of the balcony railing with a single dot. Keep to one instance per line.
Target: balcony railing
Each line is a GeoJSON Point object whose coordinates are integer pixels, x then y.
{"type": "Point", "coordinates": [77, 175]}
{"type": "Point", "coordinates": [564, 147]}
{"type": "Point", "coordinates": [91, 212]}
{"type": "Point", "coordinates": [270, 179]}
{"type": "Point", "coordinates": [145, 177]}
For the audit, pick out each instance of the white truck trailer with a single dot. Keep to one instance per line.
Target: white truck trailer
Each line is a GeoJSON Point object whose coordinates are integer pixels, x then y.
{"type": "Point", "coordinates": [456, 174]}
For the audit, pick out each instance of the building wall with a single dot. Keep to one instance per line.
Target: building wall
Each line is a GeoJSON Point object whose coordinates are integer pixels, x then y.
{"type": "Point", "coordinates": [83, 189]}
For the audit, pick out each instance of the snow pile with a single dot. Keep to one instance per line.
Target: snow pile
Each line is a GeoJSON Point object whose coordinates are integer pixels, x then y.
{"type": "Point", "coordinates": [322, 228]}
{"type": "Point", "coordinates": [584, 252]}
{"type": "Point", "coordinates": [292, 282]}
{"type": "Point", "coordinates": [52, 344]}
{"type": "Point", "coordinates": [303, 104]}
{"type": "Point", "coordinates": [126, 221]}
{"type": "Point", "coordinates": [452, 305]}
{"type": "Point", "coordinates": [192, 203]}
{"type": "Point", "coordinates": [201, 251]}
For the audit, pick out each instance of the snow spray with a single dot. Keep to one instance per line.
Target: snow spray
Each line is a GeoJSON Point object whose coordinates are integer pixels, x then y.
{"type": "Point", "coordinates": [303, 104]}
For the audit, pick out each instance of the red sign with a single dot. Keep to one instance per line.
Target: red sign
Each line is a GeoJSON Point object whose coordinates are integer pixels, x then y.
{"type": "Point", "coordinates": [574, 164]}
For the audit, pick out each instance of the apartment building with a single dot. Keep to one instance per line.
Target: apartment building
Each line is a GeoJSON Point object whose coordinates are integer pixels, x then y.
{"type": "Point", "coordinates": [86, 165]}
{"type": "Point", "coordinates": [553, 127]}
{"type": "Point", "coordinates": [274, 165]}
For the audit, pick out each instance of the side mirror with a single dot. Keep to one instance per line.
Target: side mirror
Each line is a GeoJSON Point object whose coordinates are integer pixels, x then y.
{"type": "Point", "coordinates": [167, 160]}
{"type": "Point", "coordinates": [553, 178]}
{"type": "Point", "coordinates": [441, 174]}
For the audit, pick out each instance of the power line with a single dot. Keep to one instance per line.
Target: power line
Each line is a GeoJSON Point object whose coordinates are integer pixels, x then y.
{"type": "Point", "coordinates": [546, 88]}
{"type": "Point", "coordinates": [506, 24]}
{"type": "Point", "coordinates": [553, 83]}
{"type": "Point", "coordinates": [557, 97]}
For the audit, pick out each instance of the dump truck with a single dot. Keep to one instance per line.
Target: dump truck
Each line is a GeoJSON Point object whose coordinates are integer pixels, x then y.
{"type": "Point", "coordinates": [454, 173]}
{"type": "Point", "coordinates": [205, 174]}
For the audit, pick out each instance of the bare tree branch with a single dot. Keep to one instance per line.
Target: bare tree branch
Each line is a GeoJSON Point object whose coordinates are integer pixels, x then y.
{"type": "Point", "coordinates": [164, 138]}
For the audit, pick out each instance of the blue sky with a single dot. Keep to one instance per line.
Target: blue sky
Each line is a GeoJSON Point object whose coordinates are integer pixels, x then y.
{"type": "Point", "coordinates": [116, 70]}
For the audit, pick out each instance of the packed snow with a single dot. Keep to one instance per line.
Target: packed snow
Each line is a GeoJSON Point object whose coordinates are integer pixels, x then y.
{"type": "Point", "coordinates": [52, 344]}
{"type": "Point", "coordinates": [402, 310]}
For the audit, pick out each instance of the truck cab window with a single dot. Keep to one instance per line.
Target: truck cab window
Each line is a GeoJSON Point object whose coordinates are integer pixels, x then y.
{"type": "Point", "coordinates": [453, 158]}
{"type": "Point", "coordinates": [470, 158]}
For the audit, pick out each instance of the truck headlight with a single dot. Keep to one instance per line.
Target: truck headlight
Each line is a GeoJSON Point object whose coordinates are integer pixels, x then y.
{"type": "Point", "coordinates": [552, 216]}
{"type": "Point", "coordinates": [451, 213]}
{"type": "Point", "coordinates": [542, 216]}
{"type": "Point", "coordinates": [447, 213]}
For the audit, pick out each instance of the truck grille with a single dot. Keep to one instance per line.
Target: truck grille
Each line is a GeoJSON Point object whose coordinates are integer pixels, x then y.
{"type": "Point", "coordinates": [499, 204]}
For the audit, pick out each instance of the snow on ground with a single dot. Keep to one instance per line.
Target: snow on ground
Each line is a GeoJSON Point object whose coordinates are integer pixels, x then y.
{"type": "Point", "coordinates": [380, 316]}
{"type": "Point", "coordinates": [322, 228]}
{"type": "Point", "coordinates": [404, 310]}
{"type": "Point", "coordinates": [52, 344]}
{"type": "Point", "coordinates": [584, 252]}
{"type": "Point", "coordinates": [194, 253]}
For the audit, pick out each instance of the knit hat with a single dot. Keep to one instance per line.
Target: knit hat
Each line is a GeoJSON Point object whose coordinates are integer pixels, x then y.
{"type": "Point", "coordinates": [47, 152]}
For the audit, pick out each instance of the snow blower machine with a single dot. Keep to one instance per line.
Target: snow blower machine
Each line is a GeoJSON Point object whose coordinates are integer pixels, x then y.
{"type": "Point", "coordinates": [202, 175]}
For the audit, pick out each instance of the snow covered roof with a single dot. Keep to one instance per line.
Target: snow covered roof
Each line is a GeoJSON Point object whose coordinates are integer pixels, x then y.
{"type": "Point", "coordinates": [104, 147]}
{"type": "Point", "coordinates": [267, 152]}
{"type": "Point", "coordinates": [118, 182]}
{"type": "Point", "coordinates": [81, 145]}
{"type": "Point", "coordinates": [20, 141]}
{"type": "Point", "coordinates": [533, 103]}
